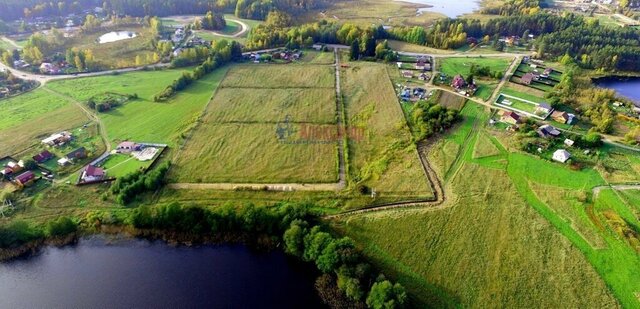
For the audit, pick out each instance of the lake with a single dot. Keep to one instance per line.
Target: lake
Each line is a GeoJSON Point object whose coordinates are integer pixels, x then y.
{"type": "Point", "coordinates": [626, 87]}
{"type": "Point", "coordinates": [451, 9]}
{"type": "Point", "coordinates": [102, 272]}
{"type": "Point", "coordinates": [114, 36]}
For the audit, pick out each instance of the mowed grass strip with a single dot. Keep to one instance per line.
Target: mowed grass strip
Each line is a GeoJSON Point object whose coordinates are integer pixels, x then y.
{"type": "Point", "coordinates": [384, 157]}
{"type": "Point", "coordinates": [29, 117]}
{"type": "Point", "coordinates": [273, 105]}
{"type": "Point", "coordinates": [252, 153]}
{"type": "Point", "coordinates": [280, 76]}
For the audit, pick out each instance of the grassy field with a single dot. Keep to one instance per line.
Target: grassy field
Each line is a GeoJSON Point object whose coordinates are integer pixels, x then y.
{"type": "Point", "coordinates": [384, 159]}
{"type": "Point", "coordinates": [142, 119]}
{"type": "Point", "coordinates": [272, 105]}
{"type": "Point", "coordinates": [486, 85]}
{"type": "Point", "coordinates": [119, 165]}
{"type": "Point", "coordinates": [525, 211]}
{"type": "Point", "coordinates": [272, 76]}
{"type": "Point", "coordinates": [523, 92]}
{"type": "Point", "coordinates": [414, 48]}
{"type": "Point", "coordinates": [239, 128]}
{"type": "Point", "coordinates": [30, 117]}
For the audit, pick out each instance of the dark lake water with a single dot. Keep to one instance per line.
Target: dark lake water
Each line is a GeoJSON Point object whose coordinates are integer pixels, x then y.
{"type": "Point", "coordinates": [629, 88]}
{"type": "Point", "coordinates": [101, 273]}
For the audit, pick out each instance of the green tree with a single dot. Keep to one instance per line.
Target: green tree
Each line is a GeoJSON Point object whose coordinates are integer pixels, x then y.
{"type": "Point", "coordinates": [294, 238]}
{"type": "Point", "coordinates": [355, 50]}
{"type": "Point", "coordinates": [384, 294]}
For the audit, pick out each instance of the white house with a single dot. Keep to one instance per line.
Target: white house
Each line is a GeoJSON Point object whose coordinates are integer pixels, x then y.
{"type": "Point", "coordinates": [561, 155]}
{"type": "Point", "coordinates": [569, 142]}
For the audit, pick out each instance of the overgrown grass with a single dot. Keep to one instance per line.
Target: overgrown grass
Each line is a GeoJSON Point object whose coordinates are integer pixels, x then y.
{"type": "Point", "coordinates": [384, 159]}
{"type": "Point", "coordinates": [279, 76]}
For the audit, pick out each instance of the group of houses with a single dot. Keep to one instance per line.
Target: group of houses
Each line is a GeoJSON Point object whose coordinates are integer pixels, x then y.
{"type": "Point", "coordinates": [422, 64]}
{"type": "Point", "coordinates": [16, 173]}
{"type": "Point", "coordinates": [412, 94]}
{"type": "Point", "coordinates": [285, 55]}
{"type": "Point", "coordinates": [178, 35]}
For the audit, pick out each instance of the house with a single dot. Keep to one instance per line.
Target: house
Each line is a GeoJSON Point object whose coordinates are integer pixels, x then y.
{"type": "Point", "coordinates": [547, 72]}
{"type": "Point", "coordinates": [127, 147]}
{"type": "Point", "coordinates": [569, 142]}
{"type": "Point", "coordinates": [458, 82]}
{"type": "Point", "coordinates": [407, 74]}
{"type": "Point", "coordinates": [419, 92]}
{"type": "Point", "coordinates": [64, 162]}
{"type": "Point", "coordinates": [420, 65]}
{"type": "Point", "coordinates": [92, 173]}
{"type": "Point", "coordinates": [510, 117]}
{"type": "Point", "coordinates": [58, 139]}
{"type": "Point", "coordinates": [562, 117]}
{"type": "Point", "coordinates": [79, 153]}
{"type": "Point", "coordinates": [543, 108]}
{"type": "Point", "coordinates": [25, 178]}
{"type": "Point", "coordinates": [547, 131]}
{"type": "Point", "coordinates": [423, 76]}
{"type": "Point", "coordinates": [49, 68]}
{"type": "Point", "coordinates": [399, 64]}
{"type": "Point", "coordinates": [43, 156]}
{"type": "Point", "coordinates": [527, 78]}
{"type": "Point", "coordinates": [561, 155]}
{"type": "Point", "coordinates": [317, 47]}
{"type": "Point", "coordinates": [406, 94]}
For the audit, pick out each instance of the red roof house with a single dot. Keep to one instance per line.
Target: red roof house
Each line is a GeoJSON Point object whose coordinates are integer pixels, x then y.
{"type": "Point", "coordinates": [25, 178]}
{"type": "Point", "coordinates": [458, 82]}
{"type": "Point", "coordinates": [43, 156]}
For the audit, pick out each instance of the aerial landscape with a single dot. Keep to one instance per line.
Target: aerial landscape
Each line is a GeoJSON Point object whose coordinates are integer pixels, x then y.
{"type": "Point", "coordinates": [319, 153]}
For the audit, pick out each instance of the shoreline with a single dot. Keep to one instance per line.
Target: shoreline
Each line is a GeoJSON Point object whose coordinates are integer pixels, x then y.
{"type": "Point", "coordinates": [171, 238]}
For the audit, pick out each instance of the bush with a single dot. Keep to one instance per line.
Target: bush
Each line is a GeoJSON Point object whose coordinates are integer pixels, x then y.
{"type": "Point", "coordinates": [60, 227]}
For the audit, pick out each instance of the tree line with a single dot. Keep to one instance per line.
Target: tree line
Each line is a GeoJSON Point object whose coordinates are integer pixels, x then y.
{"type": "Point", "coordinates": [128, 187]}
{"type": "Point", "coordinates": [221, 52]}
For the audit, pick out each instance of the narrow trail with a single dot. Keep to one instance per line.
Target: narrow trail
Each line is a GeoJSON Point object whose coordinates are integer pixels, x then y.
{"type": "Point", "coordinates": [342, 179]}
{"type": "Point", "coordinates": [618, 187]}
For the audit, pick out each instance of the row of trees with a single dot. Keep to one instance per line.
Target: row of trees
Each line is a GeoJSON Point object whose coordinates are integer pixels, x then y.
{"type": "Point", "coordinates": [19, 233]}
{"type": "Point", "coordinates": [339, 261]}
{"type": "Point", "coordinates": [347, 280]}
{"type": "Point", "coordinates": [126, 188]}
{"type": "Point", "coordinates": [221, 53]}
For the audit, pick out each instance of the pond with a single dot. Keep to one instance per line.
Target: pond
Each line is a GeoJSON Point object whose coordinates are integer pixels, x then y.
{"type": "Point", "coordinates": [626, 87]}
{"type": "Point", "coordinates": [451, 9]}
{"type": "Point", "coordinates": [114, 36]}
{"type": "Point", "coordinates": [101, 272]}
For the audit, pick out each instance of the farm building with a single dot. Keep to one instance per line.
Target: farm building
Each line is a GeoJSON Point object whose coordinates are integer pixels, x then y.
{"type": "Point", "coordinates": [562, 117]}
{"type": "Point", "coordinates": [527, 79]}
{"type": "Point", "coordinates": [92, 173]}
{"type": "Point", "coordinates": [423, 76]}
{"type": "Point", "coordinates": [79, 153]}
{"type": "Point", "coordinates": [458, 82]}
{"type": "Point", "coordinates": [407, 74]}
{"type": "Point", "coordinates": [543, 108]}
{"type": "Point", "coordinates": [58, 139]}
{"type": "Point", "coordinates": [42, 157]}
{"type": "Point", "coordinates": [510, 117]}
{"type": "Point", "coordinates": [25, 178]}
{"type": "Point", "coordinates": [561, 155]}
{"type": "Point", "coordinates": [12, 167]}
{"type": "Point", "coordinates": [569, 142]}
{"type": "Point", "coordinates": [128, 147]}
{"type": "Point", "coordinates": [548, 131]}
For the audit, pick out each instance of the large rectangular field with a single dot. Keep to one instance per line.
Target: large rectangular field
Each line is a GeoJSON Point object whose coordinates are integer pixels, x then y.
{"type": "Point", "coordinates": [272, 105]}
{"type": "Point", "coordinates": [280, 130]}
{"type": "Point", "coordinates": [385, 159]}
{"type": "Point", "coordinates": [280, 76]}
